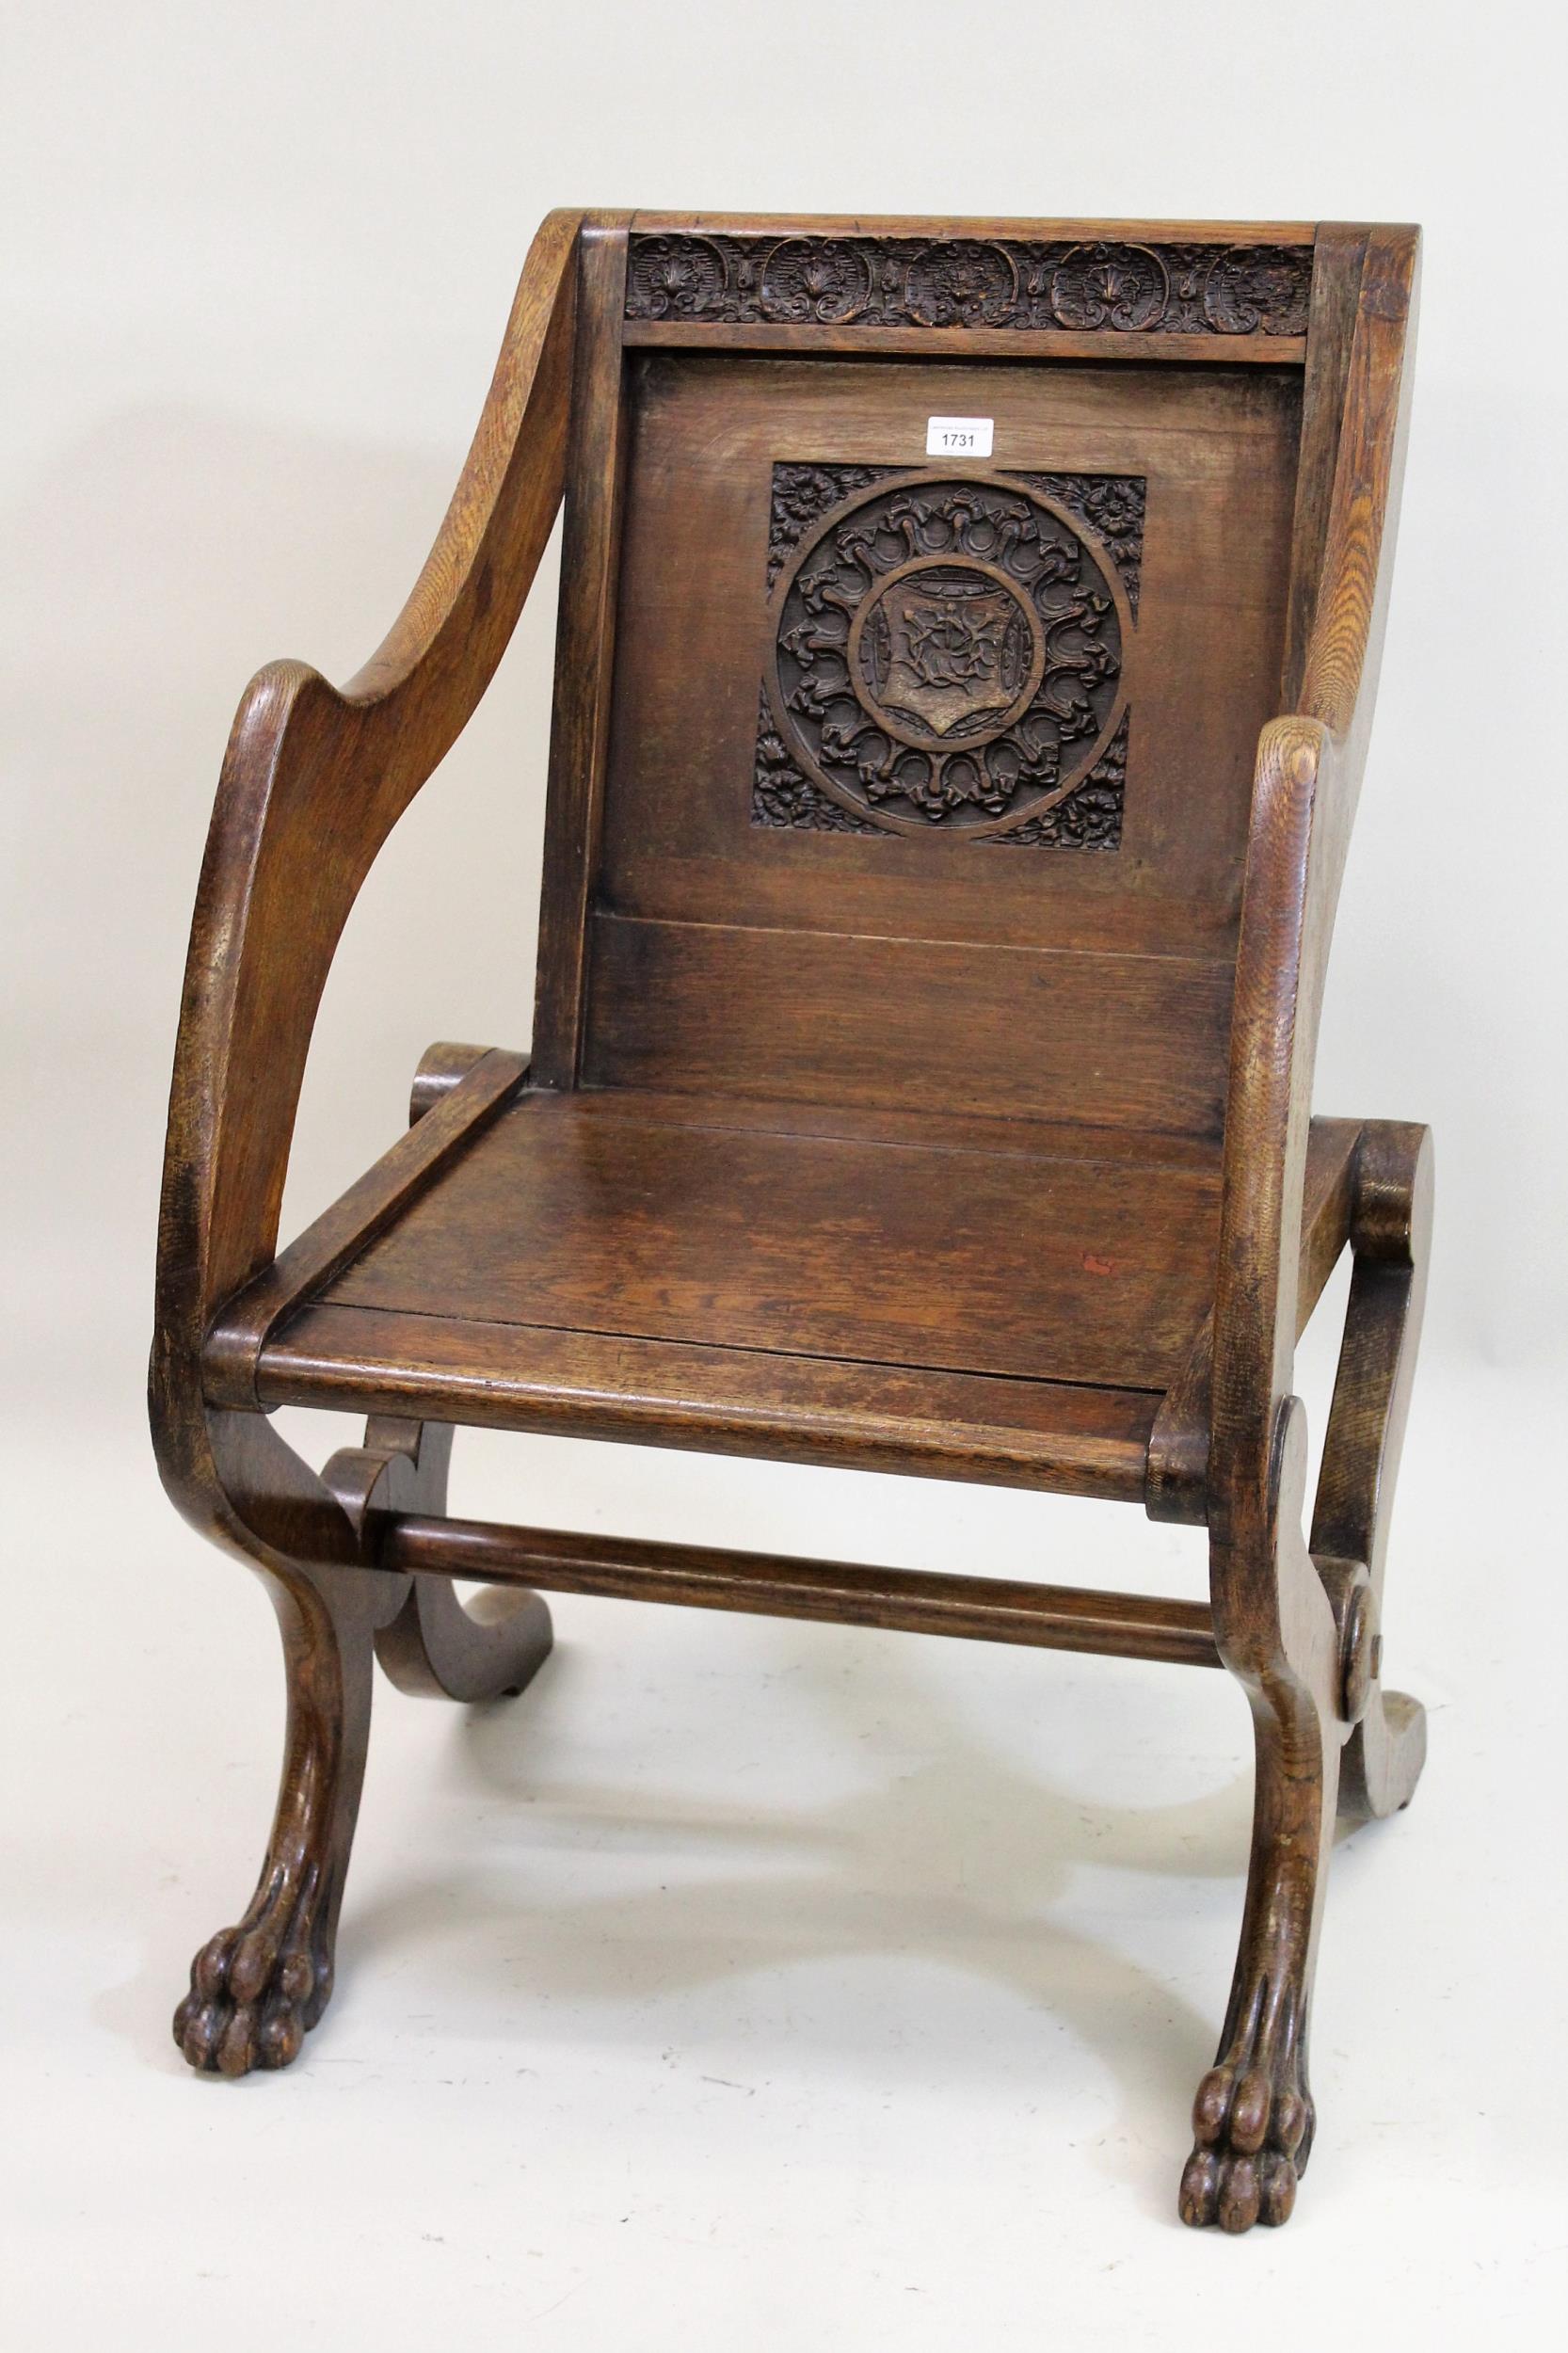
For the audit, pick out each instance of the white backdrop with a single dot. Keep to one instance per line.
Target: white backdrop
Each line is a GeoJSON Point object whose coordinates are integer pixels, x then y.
{"type": "Point", "coordinates": [256, 269]}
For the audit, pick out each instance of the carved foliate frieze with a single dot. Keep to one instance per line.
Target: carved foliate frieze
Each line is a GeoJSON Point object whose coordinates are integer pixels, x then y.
{"type": "Point", "coordinates": [1058, 286]}
{"type": "Point", "coordinates": [948, 652]}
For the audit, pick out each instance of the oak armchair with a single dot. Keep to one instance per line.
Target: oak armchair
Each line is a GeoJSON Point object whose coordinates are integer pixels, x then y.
{"type": "Point", "coordinates": [933, 923]}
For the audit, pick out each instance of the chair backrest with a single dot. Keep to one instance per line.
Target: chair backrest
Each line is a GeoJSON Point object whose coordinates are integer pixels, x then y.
{"type": "Point", "coordinates": [926, 585]}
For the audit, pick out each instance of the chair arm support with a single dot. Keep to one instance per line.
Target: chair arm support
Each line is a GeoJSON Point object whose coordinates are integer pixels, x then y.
{"type": "Point", "coordinates": [1306, 783]}
{"type": "Point", "coordinates": [1292, 875]}
{"type": "Point", "coordinates": [313, 779]}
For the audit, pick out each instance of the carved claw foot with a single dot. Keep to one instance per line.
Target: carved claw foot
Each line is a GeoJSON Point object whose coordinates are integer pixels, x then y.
{"type": "Point", "coordinates": [255, 1989]}
{"type": "Point", "coordinates": [1252, 2120]}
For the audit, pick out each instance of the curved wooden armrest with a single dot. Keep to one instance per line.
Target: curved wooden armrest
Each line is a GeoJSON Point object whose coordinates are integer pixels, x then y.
{"type": "Point", "coordinates": [1307, 780]}
{"type": "Point", "coordinates": [314, 780]}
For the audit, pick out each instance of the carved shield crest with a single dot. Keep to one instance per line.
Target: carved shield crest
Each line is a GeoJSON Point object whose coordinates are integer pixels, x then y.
{"type": "Point", "coordinates": [946, 649]}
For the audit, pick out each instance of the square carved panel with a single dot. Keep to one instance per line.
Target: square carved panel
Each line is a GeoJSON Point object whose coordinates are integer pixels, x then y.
{"type": "Point", "coordinates": [949, 654]}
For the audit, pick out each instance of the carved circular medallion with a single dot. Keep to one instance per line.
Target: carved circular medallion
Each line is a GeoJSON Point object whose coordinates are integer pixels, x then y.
{"type": "Point", "coordinates": [948, 652]}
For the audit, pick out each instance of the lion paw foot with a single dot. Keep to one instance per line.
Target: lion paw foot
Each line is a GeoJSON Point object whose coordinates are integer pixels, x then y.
{"type": "Point", "coordinates": [1253, 2125]}
{"type": "Point", "coordinates": [254, 1992]}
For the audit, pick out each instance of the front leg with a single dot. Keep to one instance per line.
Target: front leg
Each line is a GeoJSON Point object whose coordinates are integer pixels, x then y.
{"type": "Point", "coordinates": [257, 1988]}
{"type": "Point", "coordinates": [1253, 2118]}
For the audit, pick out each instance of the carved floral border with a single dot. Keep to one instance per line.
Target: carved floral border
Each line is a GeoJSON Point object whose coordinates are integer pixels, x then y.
{"type": "Point", "coordinates": [1089, 818]}
{"type": "Point", "coordinates": [1049, 285]}
{"type": "Point", "coordinates": [1110, 508]}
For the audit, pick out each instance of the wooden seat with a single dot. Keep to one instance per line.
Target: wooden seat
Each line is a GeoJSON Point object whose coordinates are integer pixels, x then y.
{"type": "Point", "coordinates": [638, 1253]}
{"type": "Point", "coordinates": [960, 1254]}
{"type": "Point", "coordinates": [1003, 1301]}
{"type": "Point", "coordinates": [965, 655]}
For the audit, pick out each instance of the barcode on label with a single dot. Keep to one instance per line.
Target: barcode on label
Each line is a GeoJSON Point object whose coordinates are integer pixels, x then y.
{"type": "Point", "coordinates": [958, 437]}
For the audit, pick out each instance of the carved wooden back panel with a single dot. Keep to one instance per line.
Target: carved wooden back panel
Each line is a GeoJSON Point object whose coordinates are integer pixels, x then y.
{"type": "Point", "coordinates": [916, 771]}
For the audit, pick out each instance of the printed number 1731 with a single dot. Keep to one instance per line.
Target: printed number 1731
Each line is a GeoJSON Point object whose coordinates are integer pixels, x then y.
{"type": "Point", "coordinates": [958, 437]}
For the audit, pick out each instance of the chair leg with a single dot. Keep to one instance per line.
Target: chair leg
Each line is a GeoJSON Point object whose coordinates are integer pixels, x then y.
{"type": "Point", "coordinates": [1253, 2118]}
{"type": "Point", "coordinates": [437, 1646]}
{"type": "Point", "coordinates": [256, 1988]}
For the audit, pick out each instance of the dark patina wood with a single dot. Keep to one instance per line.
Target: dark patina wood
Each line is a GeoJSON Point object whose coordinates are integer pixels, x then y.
{"type": "Point", "coordinates": [936, 906]}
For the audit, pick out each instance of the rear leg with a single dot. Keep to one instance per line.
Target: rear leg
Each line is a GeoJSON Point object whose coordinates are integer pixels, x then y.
{"type": "Point", "coordinates": [1390, 1234]}
{"type": "Point", "coordinates": [437, 1646]}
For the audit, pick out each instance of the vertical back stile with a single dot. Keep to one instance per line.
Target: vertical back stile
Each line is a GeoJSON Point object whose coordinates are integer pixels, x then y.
{"type": "Point", "coordinates": [1339, 252]}
{"type": "Point", "coordinates": [585, 655]}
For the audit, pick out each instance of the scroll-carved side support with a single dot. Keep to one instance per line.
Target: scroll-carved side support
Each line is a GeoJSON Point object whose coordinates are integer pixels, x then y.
{"type": "Point", "coordinates": [436, 1648]}
{"type": "Point", "coordinates": [1390, 1234]}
